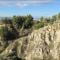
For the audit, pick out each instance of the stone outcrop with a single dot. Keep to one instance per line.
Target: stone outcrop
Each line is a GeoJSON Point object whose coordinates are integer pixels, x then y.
{"type": "Point", "coordinates": [42, 44]}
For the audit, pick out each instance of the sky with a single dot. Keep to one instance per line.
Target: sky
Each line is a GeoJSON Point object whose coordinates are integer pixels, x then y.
{"type": "Point", "coordinates": [36, 8]}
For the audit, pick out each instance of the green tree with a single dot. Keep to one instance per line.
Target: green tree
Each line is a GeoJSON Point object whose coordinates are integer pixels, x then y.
{"type": "Point", "coordinates": [23, 21]}
{"type": "Point", "coordinates": [8, 33]}
{"type": "Point", "coordinates": [54, 18]}
{"type": "Point", "coordinates": [28, 21]}
{"type": "Point", "coordinates": [59, 16]}
{"type": "Point", "coordinates": [18, 21]}
{"type": "Point", "coordinates": [42, 19]}
{"type": "Point", "coordinates": [3, 33]}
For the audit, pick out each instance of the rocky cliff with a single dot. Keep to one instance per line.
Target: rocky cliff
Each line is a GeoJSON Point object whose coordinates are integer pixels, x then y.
{"type": "Point", "coordinates": [42, 44]}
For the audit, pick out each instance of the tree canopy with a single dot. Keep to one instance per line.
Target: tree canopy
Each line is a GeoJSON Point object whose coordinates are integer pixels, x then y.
{"type": "Point", "coordinates": [13, 25]}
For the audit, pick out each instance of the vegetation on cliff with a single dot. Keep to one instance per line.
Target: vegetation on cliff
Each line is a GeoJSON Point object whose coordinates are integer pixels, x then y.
{"type": "Point", "coordinates": [12, 29]}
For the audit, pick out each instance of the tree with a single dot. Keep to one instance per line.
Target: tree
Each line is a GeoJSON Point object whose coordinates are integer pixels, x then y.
{"type": "Point", "coordinates": [18, 21]}
{"type": "Point", "coordinates": [8, 33]}
{"type": "Point", "coordinates": [42, 19]}
{"type": "Point", "coordinates": [3, 33]}
{"type": "Point", "coordinates": [59, 16]}
{"type": "Point", "coordinates": [23, 21]}
{"type": "Point", "coordinates": [28, 21]}
{"type": "Point", "coordinates": [54, 18]}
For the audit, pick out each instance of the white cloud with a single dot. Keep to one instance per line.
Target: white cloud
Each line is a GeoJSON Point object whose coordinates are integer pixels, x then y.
{"type": "Point", "coordinates": [22, 3]}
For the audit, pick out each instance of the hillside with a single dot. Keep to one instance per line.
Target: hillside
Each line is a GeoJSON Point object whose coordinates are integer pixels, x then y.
{"type": "Point", "coordinates": [41, 44]}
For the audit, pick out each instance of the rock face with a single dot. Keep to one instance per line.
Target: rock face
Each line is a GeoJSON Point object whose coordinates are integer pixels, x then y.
{"type": "Point", "coordinates": [42, 44]}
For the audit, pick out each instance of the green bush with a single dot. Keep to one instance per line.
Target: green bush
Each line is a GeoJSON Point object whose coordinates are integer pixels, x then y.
{"type": "Point", "coordinates": [39, 25]}
{"type": "Point", "coordinates": [28, 21]}
{"type": "Point", "coordinates": [8, 34]}
{"type": "Point", "coordinates": [23, 21]}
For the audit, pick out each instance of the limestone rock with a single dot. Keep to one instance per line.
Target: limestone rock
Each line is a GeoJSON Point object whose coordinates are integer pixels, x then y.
{"type": "Point", "coordinates": [42, 44]}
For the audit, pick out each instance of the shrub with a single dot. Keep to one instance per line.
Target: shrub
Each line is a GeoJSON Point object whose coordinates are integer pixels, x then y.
{"type": "Point", "coordinates": [8, 34]}
{"type": "Point", "coordinates": [39, 25]}
{"type": "Point", "coordinates": [23, 21]}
